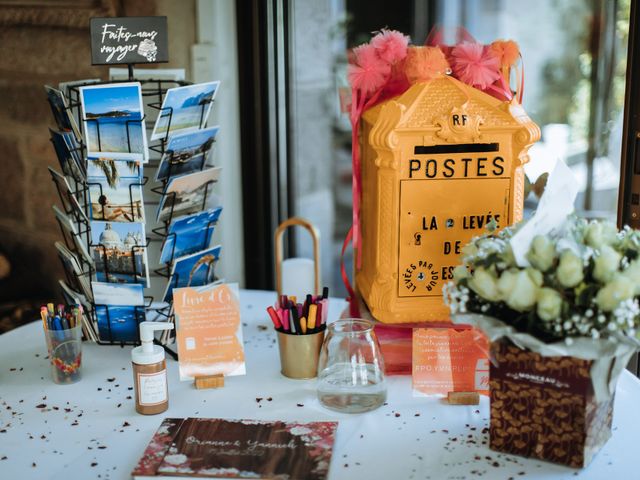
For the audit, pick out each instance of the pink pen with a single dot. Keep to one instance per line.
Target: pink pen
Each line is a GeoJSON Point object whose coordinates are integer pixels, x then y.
{"type": "Point", "coordinates": [285, 320]}
{"type": "Point", "coordinates": [325, 310]}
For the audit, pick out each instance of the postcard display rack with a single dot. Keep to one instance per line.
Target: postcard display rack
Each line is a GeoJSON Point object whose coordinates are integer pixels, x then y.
{"type": "Point", "coordinates": [76, 205]}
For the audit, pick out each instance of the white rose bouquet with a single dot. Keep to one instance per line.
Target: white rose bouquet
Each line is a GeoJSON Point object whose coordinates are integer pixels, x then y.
{"type": "Point", "coordinates": [583, 280]}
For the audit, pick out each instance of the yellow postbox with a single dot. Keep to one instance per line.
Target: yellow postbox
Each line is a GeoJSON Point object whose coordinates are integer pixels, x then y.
{"type": "Point", "coordinates": [439, 162]}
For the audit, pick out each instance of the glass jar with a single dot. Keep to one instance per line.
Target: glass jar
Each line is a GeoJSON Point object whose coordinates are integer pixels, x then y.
{"type": "Point", "coordinates": [351, 369]}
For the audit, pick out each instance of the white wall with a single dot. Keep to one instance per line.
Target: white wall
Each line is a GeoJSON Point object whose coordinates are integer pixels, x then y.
{"type": "Point", "coordinates": [215, 57]}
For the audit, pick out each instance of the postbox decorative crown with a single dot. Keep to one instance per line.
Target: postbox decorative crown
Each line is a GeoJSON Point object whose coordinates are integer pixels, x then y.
{"type": "Point", "coordinates": [434, 166]}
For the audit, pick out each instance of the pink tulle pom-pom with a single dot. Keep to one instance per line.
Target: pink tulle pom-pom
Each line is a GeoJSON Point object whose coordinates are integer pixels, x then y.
{"type": "Point", "coordinates": [370, 72]}
{"type": "Point", "coordinates": [391, 45]}
{"type": "Point", "coordinates": [474, 65]}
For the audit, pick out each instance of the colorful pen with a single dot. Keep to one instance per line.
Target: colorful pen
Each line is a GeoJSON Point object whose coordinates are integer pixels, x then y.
{"type": "Point", "coordinates": [311, 319]}
{"type": "Point", "coordinates": [274, 317]}
{"type": "Point", "coordinates": [292, 320]}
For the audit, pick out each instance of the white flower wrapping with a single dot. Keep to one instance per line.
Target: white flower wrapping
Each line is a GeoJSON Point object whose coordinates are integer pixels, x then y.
{"type": "Point", "coordinates": [610, 356]}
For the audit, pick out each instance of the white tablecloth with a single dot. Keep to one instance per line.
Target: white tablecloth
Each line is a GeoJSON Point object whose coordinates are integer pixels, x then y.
{"type": "Point", "coordinates": [91, 430]}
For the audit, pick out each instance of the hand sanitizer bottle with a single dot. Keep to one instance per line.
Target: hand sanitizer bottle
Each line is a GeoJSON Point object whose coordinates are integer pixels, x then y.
{"type": "Point", "coordinates": [150, 371]}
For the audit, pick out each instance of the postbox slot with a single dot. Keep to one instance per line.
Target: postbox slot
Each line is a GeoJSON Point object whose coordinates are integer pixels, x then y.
{"type": "Point", "coordinates": [456, 148]}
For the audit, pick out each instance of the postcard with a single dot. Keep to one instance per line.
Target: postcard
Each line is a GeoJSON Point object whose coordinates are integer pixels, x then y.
{"type": "Point", "coordinates": [209, 331]}
{"type": "Point", "coordinates": [71, 235]}
{"type": "Point", "coordinates": [119, 252]}
{"type": "Point", "coordinates": [77, 277]}
{"type": "Point", "coordinates": [115, 190]}
{"type": "Point", "coordinates": [186, 153]}
{"type": "Point", "coordinates": [447, 360]}
{"type": "Point", "coordinates": [193, 270]}
{"type": "Point", "coordinates": [189, 107]}
{"type": "Point", "coordinates": [61, 113]}
{"type": "Point", "coordinates": [189, 194]}
{"type": "Point", "coordinates": [119, 310]}
{"type": "Point", "coordinates": [189, 235]}
{"type": "Point", "coordinates": [67, 196]}
{"type": "Point", "coordinates": [69, 88]}
{"type": "Point", "coordinates": [71, 297]}
{"type": "Point", "coordinates": [113, 118]}
{"type": "Point", "coordinates": [68, 152]}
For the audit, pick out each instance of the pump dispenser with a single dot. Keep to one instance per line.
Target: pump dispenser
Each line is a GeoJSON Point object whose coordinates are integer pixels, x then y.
{"type": "Point", "coordinates": [150, 371]}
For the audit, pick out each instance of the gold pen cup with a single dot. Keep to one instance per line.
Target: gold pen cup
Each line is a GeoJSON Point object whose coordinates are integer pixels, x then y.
{"type": "Point", "coordinates": [299, 354]}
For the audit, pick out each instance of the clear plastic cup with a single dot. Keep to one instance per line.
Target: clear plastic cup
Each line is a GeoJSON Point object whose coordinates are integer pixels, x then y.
{"type": "Point", "coordinates": [65, 354]}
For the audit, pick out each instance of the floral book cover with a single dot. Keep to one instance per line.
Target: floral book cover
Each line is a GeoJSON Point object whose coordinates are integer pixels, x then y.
{"type": "Point", "coordinates": [216, 448]}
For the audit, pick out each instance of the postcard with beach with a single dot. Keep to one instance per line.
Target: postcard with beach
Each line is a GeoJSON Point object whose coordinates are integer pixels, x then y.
{"type": "Point", "coordinates": [193, 270]}
{"type": "Point", "coordinates": [61, 113]}
{"type": "Point", "coordinates": [189, 194]}
{"type": "Point", "coordinates": [115, 190]}
{"type": "Point", "coordinates": [119, 253]}
{"type": "Point", "coordinates": [113, 119]}
{"type": "Point", "coordinates": [189, 235]}
{"type": "Point", "coordinates": [119, 309]}
{"type": "Point", "coordinates": [186, 153]}
{"type": "Point", "coordinates": [185, 109]}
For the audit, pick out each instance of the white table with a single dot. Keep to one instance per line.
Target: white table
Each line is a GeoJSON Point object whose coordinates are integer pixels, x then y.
{"type": "Point", "coordinates": [91, 430]}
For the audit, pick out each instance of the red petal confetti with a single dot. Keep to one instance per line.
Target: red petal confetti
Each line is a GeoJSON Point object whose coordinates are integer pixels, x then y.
{"type": "Point", "coordinates": [300, 404]}
{"type": "Point", "coordinates": [126, 424]}
{"type": "Point", "coordinates": [111, 379]}
{"type": "Point", "coordinates": [94, 464]}
{"type": "Point", "coordinates": [42, 405]}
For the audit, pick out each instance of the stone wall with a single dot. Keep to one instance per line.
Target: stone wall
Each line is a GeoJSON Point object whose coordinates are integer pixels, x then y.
{"type": "Point", "coordinates": [46, 45]}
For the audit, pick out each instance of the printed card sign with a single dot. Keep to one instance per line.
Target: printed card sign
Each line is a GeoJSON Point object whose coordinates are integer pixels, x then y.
{"type": "Point", "coordinates": [208, 331]}
{"type": "Point", "coordinates": [447, 360]}
{"type": "Point", "coordinates": [128, 40]}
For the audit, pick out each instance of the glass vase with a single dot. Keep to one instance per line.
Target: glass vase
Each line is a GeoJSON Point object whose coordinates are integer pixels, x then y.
{"type": "Point", "coordinates": [351, 368]}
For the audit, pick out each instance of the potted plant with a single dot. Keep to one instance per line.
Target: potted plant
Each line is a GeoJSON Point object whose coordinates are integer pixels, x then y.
{"type": "Point", "coordinates": [562, 322]}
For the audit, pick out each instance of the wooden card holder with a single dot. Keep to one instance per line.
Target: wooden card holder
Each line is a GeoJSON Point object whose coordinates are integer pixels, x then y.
{"type": "Point", "coordinates": [209, 381]}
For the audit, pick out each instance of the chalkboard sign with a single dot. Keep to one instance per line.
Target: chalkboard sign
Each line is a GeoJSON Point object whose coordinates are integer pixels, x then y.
{"type": "Point", "coordinates": [129, 40]}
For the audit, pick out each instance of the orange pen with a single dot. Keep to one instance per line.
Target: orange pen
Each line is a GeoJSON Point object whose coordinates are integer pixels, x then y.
{"type": "Point", "coordinates": [313, 312]}
{"type": "Point", "coordinates": [303, 325]}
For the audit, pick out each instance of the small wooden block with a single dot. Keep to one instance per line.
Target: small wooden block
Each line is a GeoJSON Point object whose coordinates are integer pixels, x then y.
{"type": "Point", "coordinates": [210, 381]}
{"type": "Point", "coordinates": [463, 398]}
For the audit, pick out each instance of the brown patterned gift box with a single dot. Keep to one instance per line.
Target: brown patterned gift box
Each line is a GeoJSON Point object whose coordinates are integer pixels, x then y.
{"type": "Point", "coordinates": [544, 407]}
